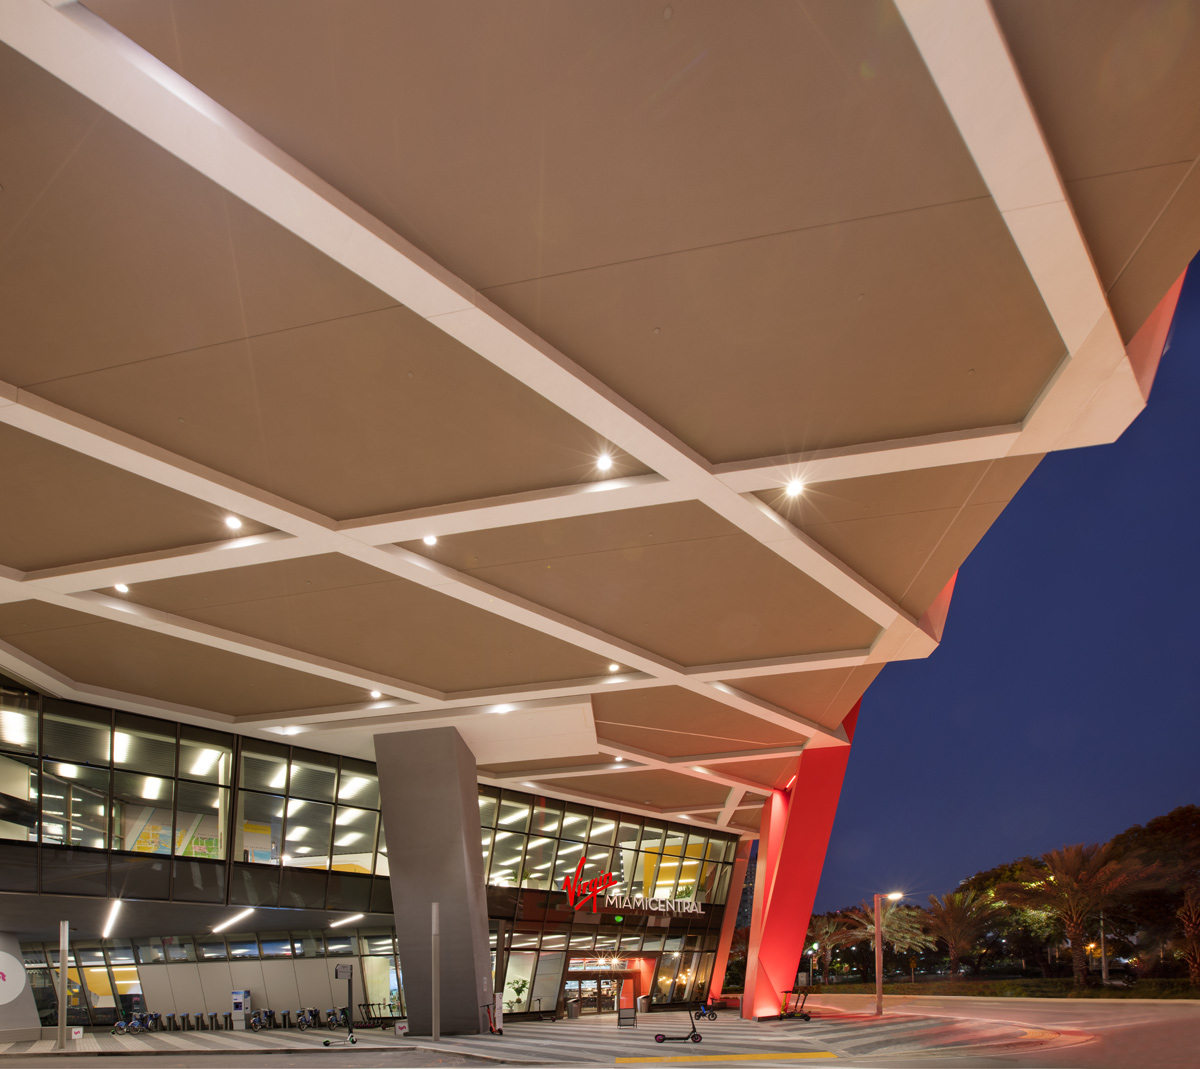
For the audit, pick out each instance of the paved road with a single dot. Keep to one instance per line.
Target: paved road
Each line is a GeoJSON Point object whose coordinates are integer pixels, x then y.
{"type": "Point", "coordinates": [1101, 1034]}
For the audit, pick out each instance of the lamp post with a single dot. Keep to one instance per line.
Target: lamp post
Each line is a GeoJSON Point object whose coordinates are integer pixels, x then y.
{"type": "Point", "coordinates": [893, 897]}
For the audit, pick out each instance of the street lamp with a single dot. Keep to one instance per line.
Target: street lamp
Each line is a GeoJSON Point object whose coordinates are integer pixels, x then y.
{"type": "Point", "coordinates": [895, 896]}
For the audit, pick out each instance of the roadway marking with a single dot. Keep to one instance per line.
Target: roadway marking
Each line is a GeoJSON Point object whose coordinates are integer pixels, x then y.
{"type": "Point", "coordinates": [787, 1056]}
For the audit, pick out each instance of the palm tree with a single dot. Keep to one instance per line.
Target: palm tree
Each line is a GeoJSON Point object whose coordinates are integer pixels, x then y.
{"type": "Point", "coordinates": [1189, 917]}
{"type": "Point", "coordinates": [829, 931]}
{"type": "Point", "coordinates": [1074, 884]}
{"type": "Point", "coordinates": [899, 925]}
{"type": "Point", "coordinates": [959, 919]}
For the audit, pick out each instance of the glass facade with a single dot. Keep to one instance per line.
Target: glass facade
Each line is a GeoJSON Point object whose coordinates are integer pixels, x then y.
{"type": "Point", "coordinates": [109, 804]}
{"type": "Point", "coordinates": [136, 807]}
{"type": "Point", "coordinates": [544, 948]}
{"type": "Point", "coordinates": [103, 981]}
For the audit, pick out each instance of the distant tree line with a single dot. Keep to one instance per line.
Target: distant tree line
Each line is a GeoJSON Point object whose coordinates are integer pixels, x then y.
{"type": "Point", "coordinates": [1044, 912]}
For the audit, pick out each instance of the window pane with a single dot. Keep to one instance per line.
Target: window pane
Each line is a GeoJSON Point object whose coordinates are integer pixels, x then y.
{"type": "Point", "coordinates": [144, 745]}
{"type": "Point", "coordinates": [489, 801]}
{"type": "Point", "coordinates": [537, 871]}
{"type": "Point", "coordinates": [314, 775]}
{"type": "Point", "coordinates": [308, 945]}
{"type": "Point", "coordinates": [381, 856]}
{"type": "Point", "coordinates": [205, 755]}
{"type": "Point", "coordinates": [18, 797]}
{"type": "Point", "coordinates": [604, 827]}
{"type": "Point", "coordinates": [567, 862]}
{"type": "Point", "coordinates": [264, 766]}
{"type": "Point", "coordinates": [354, 839]}
{"type": "Point", "coordinates": [120, 951]}
{"type": "Point", "coordinates": [18, 722]}
{"type": "Point", "coordinates": [339, 943]}
{"type": "Point", "coordinates": [259, 828]}
{"type": "Point", "coordinates": [575, 823]}
{"type": "Point", "coordinates": [149, 951]}
{"type": "Point", "coordinates": [359, 784]}
{"type": "Point", "coordinates": [74, 805]}
{"type": "Point", "coordinates": [276, 945]}
{"type": "Point", "coordinates": [202, 818]}
{"type": "Point", "coordinates": [549, 978]}
{"type": "Point", "coordinates": [508, 849]}
{"type": "Point", "coordinates": [179, 948]}
{"type": "Point", "coordinates": [514, 812]}
{"type": "Point", "coordinates": [517, 980]}
{"type": "Point", "coordinates": [76, 733]}
{"type": "Point", "coordinates": [142, 813]}
{"type": "Point", "coordinates": [307, 837]}
{"type": "Point", "coordinates": [547, 816]}
{"type": "Point", "coordinates": [211, 948]}
{"type": "Point", "coordinates": [243, 947]}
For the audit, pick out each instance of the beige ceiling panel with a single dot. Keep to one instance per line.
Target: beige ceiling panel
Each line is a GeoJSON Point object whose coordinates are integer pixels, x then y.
{"type": "Point", "coordinates": [653, 787]}
{"type": "Point", "coordinates": [1113, 83]}
{"type": "Point", "coordinates": [566, 157]}
{"type": "Point", "coordinates": [747, 818]}
{"type": "Point", "coordinates": [1116, 211]}
{"type": "Point", "coordinates": [332, 607]}
{"type": "Point", "coordinates": [770, 771]}
{"type": "Point", "coordinates": [1160, 259]}
{"type": "Point", "coordinates": [675, 723]}
{"type": "Point", "coordinates": [714, 598]}
{"type": "Point", "coordinates": [68, 508]}
{"type": "Point", "coordinates": [509, 767]}
{"type": "Point", "coordinates": [906, 532]}
{"type": "Point", "coordinates": [112, 250]}
{"type": "Point", "coordinates": [825, 697]}
{"type": "Point", "coordinates": [881, 328]}
{"type": "Point", "coordinates": [139, 662]}
{"type": "Point", "coordinates": [358, 416]}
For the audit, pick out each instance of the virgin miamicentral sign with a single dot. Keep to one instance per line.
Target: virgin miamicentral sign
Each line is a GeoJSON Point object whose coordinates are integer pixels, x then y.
{"type": "Point", "coordinates": [581, 891]}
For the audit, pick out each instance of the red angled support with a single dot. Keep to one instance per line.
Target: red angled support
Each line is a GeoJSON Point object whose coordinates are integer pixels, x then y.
{"type": "Point", "coordinates": [793, 838]}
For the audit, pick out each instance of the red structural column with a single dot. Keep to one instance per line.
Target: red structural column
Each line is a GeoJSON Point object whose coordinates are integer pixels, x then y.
{"type": "Point", "coordinates": [737, 881]}
{"type": "Point", "coordinates": [793, 838]}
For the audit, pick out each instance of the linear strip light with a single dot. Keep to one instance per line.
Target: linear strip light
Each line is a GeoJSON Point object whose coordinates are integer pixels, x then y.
{"type": "Point", "coordinates": [112, 918]}
{"type": "Point", "coordinates": [346, 920]}
{"type": "Point", "coordinates": [233, 920]}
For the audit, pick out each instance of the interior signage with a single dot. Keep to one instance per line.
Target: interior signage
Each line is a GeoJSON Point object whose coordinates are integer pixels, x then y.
{"type": "Point", "coordinates": [581, 891]}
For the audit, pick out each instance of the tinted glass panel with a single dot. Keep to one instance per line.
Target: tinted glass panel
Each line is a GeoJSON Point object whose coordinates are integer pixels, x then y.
{"type": "Point", "coordinates": [259, 828]}
{"type": "Point", "coordinates": [359, 784]}
{"type": "Point", "coordinates": [18, 797]}
{"type": "Point", "coordinates": [201, 820]}
{"type": "Point", "coordinates": [308, 829]}
{"type": "Point", "coordinates": [264, 766]}
{"type": "Point", "coordinates": [18, 722]}
{"type": "Point", "coordinates": [142, 813]}
{"type": "Point", "coordinates": [199, 881]}
{"type": "Point", "coordinates": [74, 805]}
{"type": "Point", "coordinates": [77, 733]}
{"type": "Point", "coordinates": [205, 755]}
{"type": "Point", "coordinates": [314, 775]}
{"type": "Point", "coordinates": [354, 839]}
{"type": "Point", "coordinates": [143, 745]}
{"type": "Point", "coordinates": [75, 872]}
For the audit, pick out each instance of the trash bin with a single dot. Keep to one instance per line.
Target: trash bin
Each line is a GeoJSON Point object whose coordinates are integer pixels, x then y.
{"type": "Point", "coordinates": [573, 1005]}
{"type": "Point", "coordinates": [643, 1004]}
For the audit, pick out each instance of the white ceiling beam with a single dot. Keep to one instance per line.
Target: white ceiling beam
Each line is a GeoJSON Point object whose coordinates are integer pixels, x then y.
{"type": "Point", "coordinates": [1094, 394]}
{"type": "Point", "coordinates": [731, 805]}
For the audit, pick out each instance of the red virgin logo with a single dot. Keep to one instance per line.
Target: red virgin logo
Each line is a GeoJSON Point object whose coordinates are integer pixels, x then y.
{"type": "Point", "coordinates": [580, 890]}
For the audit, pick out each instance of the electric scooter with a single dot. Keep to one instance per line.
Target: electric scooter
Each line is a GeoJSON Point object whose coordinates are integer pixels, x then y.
{"type": "Point", "coordinates": [693, 1035]}
{"type": "Point", "coordinates": [492, 1020]}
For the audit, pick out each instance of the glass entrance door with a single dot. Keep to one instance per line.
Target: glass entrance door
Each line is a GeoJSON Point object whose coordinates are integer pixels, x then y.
{"type": "Point", "coordinates": [607, 996]}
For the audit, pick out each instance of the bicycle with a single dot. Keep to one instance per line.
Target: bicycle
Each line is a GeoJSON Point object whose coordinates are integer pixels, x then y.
{"type": "Point", "coordinates": [124, 1027]}
{"type": "Point", "coordinates": [257, 1020]}
{"type": "Point", "coordinates": [335, 1018]}
{"type": "Point", "coordinates": [308, 1019]}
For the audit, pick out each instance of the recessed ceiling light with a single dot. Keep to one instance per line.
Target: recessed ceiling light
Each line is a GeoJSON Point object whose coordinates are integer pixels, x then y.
{"type": "Point", "coordinates": [121, 588]}
{"type": "Point", "coordinates": [377, 694]}
{"type": "Point", "coordinates": [604, 462]}
{"type": "Point", "coordinates": [232, 522]}
{"type": "Point", "coordinates": [794, 488]}
{"type": "Point", "coordinates": [620, 759]}
{"type": "Point", "coordinates": [430, 540]}
{"type": "Point", "coordinates": [503, 708]}
{"type": "Point", "coordinates": [614, 667]}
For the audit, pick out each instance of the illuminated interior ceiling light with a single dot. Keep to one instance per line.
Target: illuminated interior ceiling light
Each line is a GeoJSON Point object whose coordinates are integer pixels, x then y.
{"type": "Point", "coordinates": [294, 806]}
{"type": "Point", "coordinates": [348, 816]}
{"type": "Point", "coordinates": [614, 667]}
{"type": "Point", "coordinates": [204, 762]}
{"type": "Point", "coordinates": [430, 540]}
{"type": "Point", "coordinates": [14, 728]}
{"type": "Point", "coordinates": [152, 788]}
{"type": "Point", "coordinates": [120, 747]}
{"type": "Point", "coordinates": [68, 771]}
{"type": "Point", "coordinates": [112, 918]}
{"type": "Point", "coordinates": [794, 488]}
{"type": "Point", "coordinates": [287, 858]}
{"type": "Point", "coordinates": [602, 828]}
{"type": "Point", "coordinates": [303, 849]}
{"type": "Point", "coordinates": [604, 461]}
{"type": "Point", "coordinates": [512, 818]}
{"type": "Point", "coordinates": [503, 708]}
{"type": "Point", "coordinates": [351, 787]}
{"type": "Point", "coordinates": [280, 778]}
{"type": "Point", "coordinates": [376, 695]}
{"type": "Point", "coordinates": [503, 835]}
{"type": "Point", "coordinates": [349, 839]}
{"type": "Point", "coordinates": [297, 833]}
{"type": "Point", "coordinates": [233, 920]}
{"type": "Point", "coordinates": [120, 588]}
{"type": "Point", "coordinates": [233, 523]}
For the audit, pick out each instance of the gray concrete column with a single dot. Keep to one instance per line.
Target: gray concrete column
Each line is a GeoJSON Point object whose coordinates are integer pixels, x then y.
{"type": "Point", "coordinates": [18, 1010]}
{"type": "Point", "coordinates": [430, 805]}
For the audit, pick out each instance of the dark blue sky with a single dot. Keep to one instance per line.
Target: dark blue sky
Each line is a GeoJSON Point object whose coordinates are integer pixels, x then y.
{"type": "Point", "coordinates": [1063, 703]}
